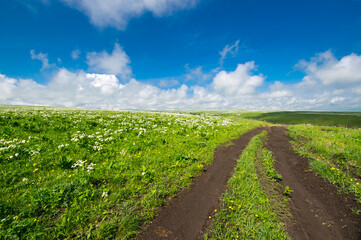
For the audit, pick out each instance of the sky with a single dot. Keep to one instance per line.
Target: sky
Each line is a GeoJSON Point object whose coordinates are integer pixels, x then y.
{"type": "Point", "coordinates": [181, 54]}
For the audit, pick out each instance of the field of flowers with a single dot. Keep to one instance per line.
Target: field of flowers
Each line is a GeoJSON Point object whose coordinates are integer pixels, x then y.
{"type": "Point", "coordinates": [98, 174]}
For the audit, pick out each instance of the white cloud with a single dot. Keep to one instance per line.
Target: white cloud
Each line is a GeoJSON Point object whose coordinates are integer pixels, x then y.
{"type": "Point", "coordinates": [337, 100]}
{"type": "Point", "coordinates": [238, 82]}
{"type": "Point", "coordinates": [115, 63]}
{"type": "Point", "coordinates": [328, 70]}
{"type": "Point", "coordinates": [75, 54]}
{"type": "Point", "coordinates": [7, 86]}
{"type": "Point", "coordinates": [277, 90]}
{"type": "Point", "coordinates": [239, 89]}
{"type": "Point", "coordinates": [108, 84]}
{"type": "Point", "coordinates": [228, 49]}
{"type": "Point", "coordinates": [103, 91]}
{"type": "Point", "coordinates": [117, 13]}
{"type": "Point", "coordinates": [43, 57]}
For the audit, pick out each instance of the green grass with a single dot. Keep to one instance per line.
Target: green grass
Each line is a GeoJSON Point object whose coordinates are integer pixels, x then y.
{"type": "Point", "coordinates": [69, 174]}
{"type": "Point", "coordinates": [268, 162]}
{"type": "Point", "coordinates": [321, 118]}
{"type": "Point", "coordinates": [338, 119]}
{"type": "Point", "coordinates": [247, 210]}
{"type": "Point", "coordinates": [335, 154]}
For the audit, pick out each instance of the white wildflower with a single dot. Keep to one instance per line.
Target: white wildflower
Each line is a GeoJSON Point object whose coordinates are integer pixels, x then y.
{"type": "Point", "coordinates": [25, 179]}
{"type": "Point", "coordinates": [90, 167]}
{"type": "Point", "coordinates": [105, 194]}
{"type": "Point", "coordinates": [97, 148]}
{"type": "Point", "coordinates": [78, 163]}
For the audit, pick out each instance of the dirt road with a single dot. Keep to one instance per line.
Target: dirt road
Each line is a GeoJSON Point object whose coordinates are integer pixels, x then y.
{"type": "Point", "coordinates": [187, 215]}
{"type": "Point", "coordinates": [318, 210]}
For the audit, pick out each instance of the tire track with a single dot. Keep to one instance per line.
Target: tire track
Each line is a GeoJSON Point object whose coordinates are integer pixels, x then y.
{"type": "Point", "coordinates": [319, 211]}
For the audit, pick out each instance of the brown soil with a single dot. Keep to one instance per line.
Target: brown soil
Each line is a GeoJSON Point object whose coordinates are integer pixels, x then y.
{"type": "Point", "coordinates": [318, 210]}
{"type": "Point", "coordinates": [187, 216]}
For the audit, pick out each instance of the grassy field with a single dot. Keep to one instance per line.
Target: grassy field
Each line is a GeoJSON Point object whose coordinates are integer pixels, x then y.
{"type": "Point", "coordinates": [321, 118]}
{"type": "Point", "coordinates": [337, 119]}
{"type": "Point", "coordinates": [68, 174]}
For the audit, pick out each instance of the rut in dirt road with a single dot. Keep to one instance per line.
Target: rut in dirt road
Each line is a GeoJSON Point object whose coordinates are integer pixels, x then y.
{"type": "Point", "coordinates": [318, 210]}
{"type": "Point", "coordinates": [187, 215]}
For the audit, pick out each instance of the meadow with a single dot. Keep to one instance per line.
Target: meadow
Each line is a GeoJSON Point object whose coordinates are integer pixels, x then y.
{"type": "Point", "coordinates": [98, 174]}
{"type": "Point", "coordinates": [344, 119]}
{"type": "Point", "coordinates": [320, 118]}
{"type": "Point", "coordinates": [89, 174]}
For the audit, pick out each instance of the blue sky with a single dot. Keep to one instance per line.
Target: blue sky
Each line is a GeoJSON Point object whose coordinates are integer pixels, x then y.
{"type": "Point", "coordinates": [181, 54]}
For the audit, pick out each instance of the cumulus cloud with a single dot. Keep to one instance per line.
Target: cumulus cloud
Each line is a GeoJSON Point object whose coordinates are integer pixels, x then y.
{"type": "Point", "coordinates": [81, 89]}
{"type": "Point", "coordinates": [103, 91]}
{"type": "Point", "coordinates": [43, 57]}
{"type": "Point", "coordinates": [277, 90]}
{"type": "Point", "coordinates": [330, 71]}
{"type": "Point", "coordinates": [117, 13]}
{"type": "Point", "coordinates": [68, 89]}
{"type": "Point", "coordinates": [228, 49]}
{"type": "Point", "coordinates": [7, 86]}
{"type": "Point", "coordinates": [115, 63]}
{"type": "Point", "coordinates": [239, 82]}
